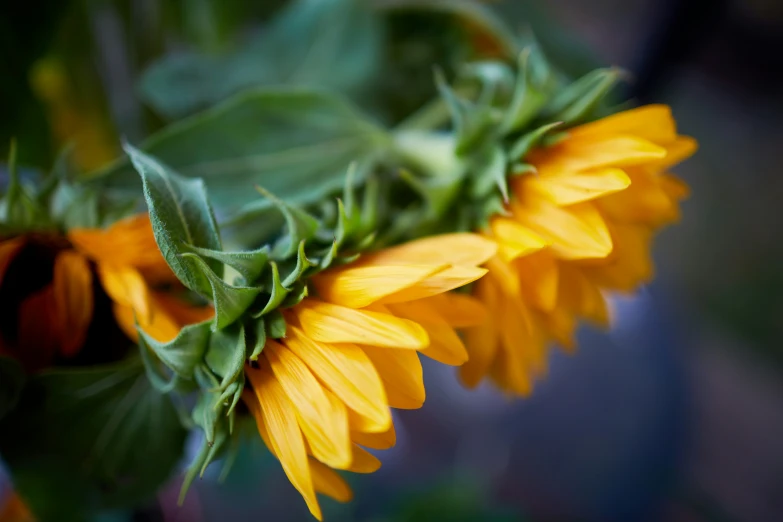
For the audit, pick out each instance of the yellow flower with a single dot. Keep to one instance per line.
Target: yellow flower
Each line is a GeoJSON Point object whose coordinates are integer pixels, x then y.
{"type": "Point", "coordinates": [46, 281]}
{"type": "Point", "coordinates": [350, 353]}
{"type": "Point", "coordinates": [579, 227]}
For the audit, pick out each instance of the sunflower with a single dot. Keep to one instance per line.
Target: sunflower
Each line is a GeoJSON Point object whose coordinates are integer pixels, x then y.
{"type": "Point", "coordinates": [51, 301]}
{"type": "Point", "coordinates": [323, 392]}
{"type": "Point", "coordinates": [580, 227]}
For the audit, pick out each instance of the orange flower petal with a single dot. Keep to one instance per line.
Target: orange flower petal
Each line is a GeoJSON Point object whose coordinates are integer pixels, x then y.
{"type": "Point", "coordinates": [383, 440]}
{"type": "Point", "coordinates": [329, 482]}
{"type": "Point", "coordinates": [284, 434]}
{"type": "Point", "coordinates": [401, 374]}
{"type": "Point", "coordinates": [359, 286]}
{"type": "Point", "coordinates": [126, 286]}
{"type": "Point", "coordinates": [129, 241]}
{"type": "Point", "coordinates": [330, 323]}
{"type": "Point", "coordinates": [39, 334]}
{"type": "Point", "coordinates": [8, 251]}
{"type": "Point", "coordinates": [323, 422]}
{"type": "Point", "coordinates": [347, 371]}
{"type": "Point", "coordinates": [72, 282]}
{"type": "Point", "coordinates": [452, 249]}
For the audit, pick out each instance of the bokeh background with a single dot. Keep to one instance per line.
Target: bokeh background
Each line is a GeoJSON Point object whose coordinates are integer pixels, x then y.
{"type": "Point", "coordinates": [675, 415]}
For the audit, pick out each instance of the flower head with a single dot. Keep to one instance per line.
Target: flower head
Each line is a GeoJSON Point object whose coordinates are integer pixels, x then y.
{"type": "Point", "coordinates": [579, 227]}
{"type": "Point", "coordinates": [48, 279]}
{"type": "Point", "coordinates": [323, 392]}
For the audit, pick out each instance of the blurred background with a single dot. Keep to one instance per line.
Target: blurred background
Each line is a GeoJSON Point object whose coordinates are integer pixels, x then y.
{"type": "Point", "coordinates": [675, 415]}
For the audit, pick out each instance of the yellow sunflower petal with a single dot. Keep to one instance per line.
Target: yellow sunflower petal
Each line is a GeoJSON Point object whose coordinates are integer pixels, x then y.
{"type": "Point", "coordinates": [329, 482]}
{"type": "Point", "coordinates": [574, 232]}
{"type": "Point", "coordinates": [438, 283]}
{"type": "Point", "coordinates": [515, 239]}
{"type": "Point", "coordinates": [681, 149]}
{"type": "Point", "coordinates": [384, 440]}
{"type": "Point", "coordinates": [129, 241]}
{"type": "Point", "coordinates": [401, 374]}
{"type": "Point", "coordinates": [126, 286]}
{"type": "Point", "coordinates": [285, 437]}
{"type": "Point", "coordinates": [72, 282]}
{"type": "Point", "coordinates": [445, 345]}
{"type": "Point", "coordinates": [454, 249]}
{"type": "Point", "coordinates": [363, 461]}
{"type": "Point", "coordinates": [159, 323]}
{"type": "Point", "coordinates": [324, 423]}
{"type": "Point", "coordinates": [675, 187]}
{"type": "Point", "coordinates": [483, 340]}
{"type": "Point", "coordinates": [519, 359]}
{"type": "Point", "coordinates": [359, 286]}
{"type": "Point", "coordinates": [180, 311]}
{"type": "Point", "coordinates": [330, 323]}
{"type": "Point", "coordinates": [574, 187]}
{"type": "Point", "coordinates": [585, 154]}
{"type": "Point", "coordinates": [347, 371]}
{"type": "Point", "coordinates": [458, 310]}
{"type": "Point", "coordinates": [630, 263]}
{"type": "Point", "coordinates": [538, 278]}
{"type": "Point", "coordinates": [581, 295]}
{"type": "Point", "coordinates": [651, 122]}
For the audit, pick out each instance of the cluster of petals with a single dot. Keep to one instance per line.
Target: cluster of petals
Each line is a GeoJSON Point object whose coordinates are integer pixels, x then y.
{"type": "Point", "coordinates": [578, 228]}
{"type": "Point", "coordinates": [323, 394]}
{"type": "Point", "coordinates": [128, 266]}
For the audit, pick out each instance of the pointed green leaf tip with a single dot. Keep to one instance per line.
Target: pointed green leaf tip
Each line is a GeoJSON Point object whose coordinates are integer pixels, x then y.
{"type": "Point", "coordinates": [183, 353]}
{"type": "Point", "coordinates": [300, 226]}
{"type": "Point", "coordinates": [181, 216]}
{"type": "Point", "coordinates": [576, 102]}
{"type": "Point", "coordinates": [249, 264]}
{"type": "Point", "coordinates": [226, 354]}
{"type": "Point", "coordinates": [472, 121]}
{"type": "Point", "coordinates": [230, 301]}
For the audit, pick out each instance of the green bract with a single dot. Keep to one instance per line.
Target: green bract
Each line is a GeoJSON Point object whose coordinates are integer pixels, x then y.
{"type": "Point", "coordinates": [498, 115]}
{"type": "Point", "coordinates": [247, 288]}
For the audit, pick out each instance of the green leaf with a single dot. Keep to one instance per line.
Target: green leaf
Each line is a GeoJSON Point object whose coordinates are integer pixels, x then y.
{"type": "Point", "coordinates": [491, 173]}
{"type": "Point", "coordinates": [295, 295]}
{"type": "Point", "coordinates": [226, 354]}
{"type": "Point", "coordinates": [250, 263]}
{"type": "Point", "coordinates": [259, 340]}
{"type": "Point", "coordinates": [87, 439]}
{"type": "Point", "coordinates": [525, 143]}
{"type": "Point", "coordinates": [204, 415]}
{"type": "Point", "coordinates": [193, 469]}
{"type": "Point", "coordinates": [529, 95]}
{"type": "Point", "coordinates": [275, 325]}
{"type": "Point", "coordinates": [302, 264]}
{"type": "Point", "coordinates": [183, 353]}
{"type": "Point", "coordinates": [300, 226]}
{"type": "Point", "coordinates": [472, 122]}
{"type": "Point", "coordinates": [180, 215]}
{"type": "Point", "coordinates": [576, 102]}
{"type": "Point", "coordinates": [277, 292]}
{"type": "Point", "coordinates": [295, 143]}
{"type": "Point", "coordinates": [12, 380]}
{"type": "Point", "coordinates": [230, 301]}
{"type": "Point", "coordinates": [330, 44]}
